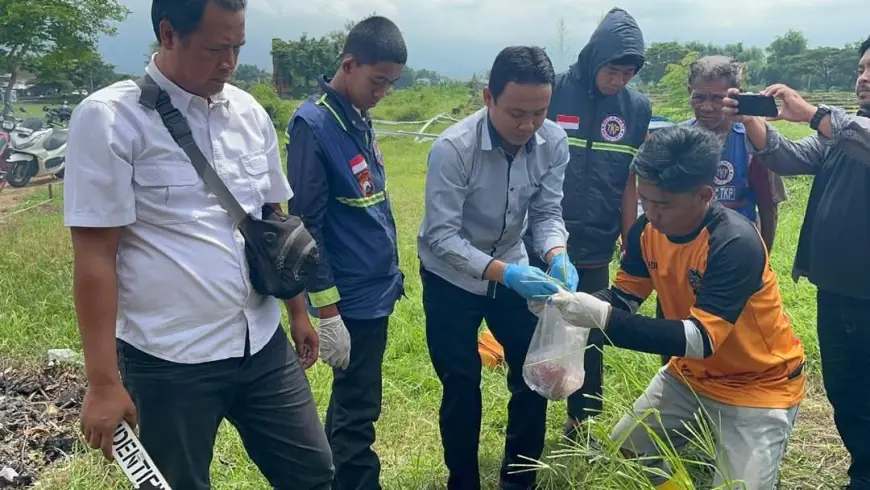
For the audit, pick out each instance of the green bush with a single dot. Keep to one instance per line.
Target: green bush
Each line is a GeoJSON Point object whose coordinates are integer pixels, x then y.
{"type": "Point", "coordinates": [408, 114]}
{"type": "Point", "coordinates": [279, 110]}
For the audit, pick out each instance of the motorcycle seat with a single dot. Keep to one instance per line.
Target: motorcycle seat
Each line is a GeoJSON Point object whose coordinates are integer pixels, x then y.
{"type": "Point", "coordinates": [58, 139]}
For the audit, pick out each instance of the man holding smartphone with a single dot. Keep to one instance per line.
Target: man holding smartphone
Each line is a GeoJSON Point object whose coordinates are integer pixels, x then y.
{"type": "Point", "coordinates": [741, 184]}
{"type": "Point", "coordinates": [832, 251]}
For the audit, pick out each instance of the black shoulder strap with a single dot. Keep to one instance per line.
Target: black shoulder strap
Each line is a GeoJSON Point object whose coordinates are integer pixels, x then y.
{"type": "Point", "coordinates": [155, 98]}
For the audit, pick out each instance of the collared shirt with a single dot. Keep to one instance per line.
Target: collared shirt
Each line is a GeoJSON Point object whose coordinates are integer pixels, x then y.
{"type": "Point", "coordinates": [479, 202]}
{"type": "Point", "coordinates": [184, 290]}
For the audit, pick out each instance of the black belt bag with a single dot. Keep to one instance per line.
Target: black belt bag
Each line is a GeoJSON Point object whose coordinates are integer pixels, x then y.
{"type": "Point", "coordinates": [281, 254]}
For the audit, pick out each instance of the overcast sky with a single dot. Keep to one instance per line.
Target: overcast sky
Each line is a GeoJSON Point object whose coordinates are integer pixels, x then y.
{"type": "Point", "coordinates": [461, 37]}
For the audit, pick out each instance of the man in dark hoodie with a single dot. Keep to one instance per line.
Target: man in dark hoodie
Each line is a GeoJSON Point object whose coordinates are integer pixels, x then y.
{"type": "Point", "coordinates": [606, 122]}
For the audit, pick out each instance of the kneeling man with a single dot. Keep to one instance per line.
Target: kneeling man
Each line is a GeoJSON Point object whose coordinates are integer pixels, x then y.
{"type": "Point", "coordinates": [734, 357]}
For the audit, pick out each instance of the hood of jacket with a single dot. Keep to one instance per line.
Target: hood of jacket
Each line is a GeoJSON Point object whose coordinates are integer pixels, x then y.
{"type": "Point", "coordinates": [617, 35]}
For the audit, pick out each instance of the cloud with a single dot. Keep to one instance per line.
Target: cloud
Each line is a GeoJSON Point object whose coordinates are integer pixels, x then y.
{"type": "Point", "coordinates": [459, 37]}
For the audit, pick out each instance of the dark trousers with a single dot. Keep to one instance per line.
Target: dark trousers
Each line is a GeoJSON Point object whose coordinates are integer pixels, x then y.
{"type": "Point", "coordinates": [355, 406]}
{"type": "Point", "coordinates": [844, 334]}
{"type": "Point", "coordinates": [453, 317]}
{"type": "Point", "coordinates": [265, 396]}
{"type": "Point", "coordinates": [586, 402]}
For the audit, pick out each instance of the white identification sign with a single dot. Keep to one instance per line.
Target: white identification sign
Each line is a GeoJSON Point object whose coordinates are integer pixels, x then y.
{"type": "Point", "coordinates": [135, 462]}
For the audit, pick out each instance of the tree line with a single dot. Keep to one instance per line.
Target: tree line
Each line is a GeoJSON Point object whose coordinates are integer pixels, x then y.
{"type": "Point", "coordinates": [788, 59]}
{"type": "Point", "coordinates": [299, 62]}
{"type": "Point", "coordinates": [57, 39]}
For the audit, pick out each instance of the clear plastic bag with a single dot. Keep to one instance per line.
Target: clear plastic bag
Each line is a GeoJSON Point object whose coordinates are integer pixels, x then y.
{"type": "Point", "coordinates": [554, 362]}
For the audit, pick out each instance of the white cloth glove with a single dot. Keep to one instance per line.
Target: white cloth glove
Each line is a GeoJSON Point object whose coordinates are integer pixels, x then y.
{"type": "Point", "coordinates": [581, 309]}
{"type": "Point", "coordinates": [536, 307]}
{"type": "Point", "coordinates": [334, 342]}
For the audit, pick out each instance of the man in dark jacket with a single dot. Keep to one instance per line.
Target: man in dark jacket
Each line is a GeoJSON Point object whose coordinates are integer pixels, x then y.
{"type": "Point", "coordinates": [832, 251]}
{"type": "Point", "coordinates": [606, 122]}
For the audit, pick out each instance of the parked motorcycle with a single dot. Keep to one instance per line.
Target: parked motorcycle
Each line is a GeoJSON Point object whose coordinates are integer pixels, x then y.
{"type": "Point", "coordinates": [37, 150]}
{"type": "Point", "coordinates": [4, 145]}
{"type": "Point", "coordinates": [8, 121]}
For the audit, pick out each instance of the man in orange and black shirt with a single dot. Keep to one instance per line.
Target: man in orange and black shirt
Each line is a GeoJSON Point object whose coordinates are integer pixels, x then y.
{"type": "Point", "coordinates": [734, 355]}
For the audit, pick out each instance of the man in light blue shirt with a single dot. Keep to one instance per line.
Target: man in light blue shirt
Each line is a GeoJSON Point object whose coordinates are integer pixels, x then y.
{"type": "Point", "coordinates": [491, 176]}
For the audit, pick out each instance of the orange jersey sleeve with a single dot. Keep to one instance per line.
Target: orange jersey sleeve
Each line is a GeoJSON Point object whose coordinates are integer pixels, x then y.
{"type": "Point", "coordinates": [633, 277]}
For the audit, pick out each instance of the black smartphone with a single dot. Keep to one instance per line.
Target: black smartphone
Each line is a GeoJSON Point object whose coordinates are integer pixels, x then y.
{"type": "Point", "coordinates": [750, 104]}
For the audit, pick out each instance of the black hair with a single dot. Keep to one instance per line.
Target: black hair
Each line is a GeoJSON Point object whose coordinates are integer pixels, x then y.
{"type": "Point", "coordinates": [185, 16]}
{"type": "Point", "coordinates": [679, 158]}
{"type": "Point", "coordinates": [374, 40]}
{"type": "Point", "coordinates": [635, 60]}
{"type": "Point", "coordinates": [716, 67]}
{"type": "Point", "coordinates": [520, 64]}
{"type": "Point", "coordinates": [864, 47]}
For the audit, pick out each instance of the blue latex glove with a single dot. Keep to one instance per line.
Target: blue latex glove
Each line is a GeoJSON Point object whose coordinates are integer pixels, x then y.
{"type": "Point", "coordinates": [529, 282]}
{"type": "Point", "coordinates": [562, 270]}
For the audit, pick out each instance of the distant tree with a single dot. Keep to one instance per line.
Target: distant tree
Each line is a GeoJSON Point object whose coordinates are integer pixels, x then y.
{"type": "Point", "coordinates": [300, 62]}
{"type": "Point", "coordinates": [92, 74]}
{"type": "Point", "coordinates": [658, 57]}
{"type": "Point", "coordinates": [153, 47]}
{"type": "Point", "coordinates": [792, 43]}
{"type": "Point", "coordinates": [407, 79]}
{"type": "Point", "coordinates": [88, 72]}
{"type": "Point", "coordinates": [59, 30]}
{"type": "Point", "coordinates": [828, 68]}
{"type": "Point", "coordinates": [676, 80]}
{"type": "Point", "coordinates": [784, 59]}
{"type": "Point", "coordinates": [246, 76]}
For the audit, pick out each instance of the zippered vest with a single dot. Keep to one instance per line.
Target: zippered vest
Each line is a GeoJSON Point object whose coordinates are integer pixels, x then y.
{"type": "Point", "coordinates": [359, 231]}
{"type": "Point", "coordinates": [731, 182]}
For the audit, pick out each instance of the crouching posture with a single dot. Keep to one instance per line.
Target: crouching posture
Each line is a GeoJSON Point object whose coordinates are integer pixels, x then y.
{"type": "Point", "coordinates": [734, 357]}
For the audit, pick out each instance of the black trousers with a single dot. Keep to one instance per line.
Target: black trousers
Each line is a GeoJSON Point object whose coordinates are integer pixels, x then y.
{"type": "Point", "coordinates": [586, 402]}
{"type": "Point", "coordinates": [453, 317]}
{"type": "Point", "coordinates": [844, 334]}
{"type": "Point", "coordinates": [266, 397]}
{"type": "Point", "coordinates": [355, 406]}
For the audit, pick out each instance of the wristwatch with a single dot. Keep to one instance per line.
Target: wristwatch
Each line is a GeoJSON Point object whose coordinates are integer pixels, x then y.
{"type": "Point", "coordinates": [821, 112]}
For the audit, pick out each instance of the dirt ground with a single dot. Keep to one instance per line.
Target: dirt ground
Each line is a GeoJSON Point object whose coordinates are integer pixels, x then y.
{"type": "Point", "coordinates": [39, 408]}
{"type": "Point", "coordinates": [11, 197]}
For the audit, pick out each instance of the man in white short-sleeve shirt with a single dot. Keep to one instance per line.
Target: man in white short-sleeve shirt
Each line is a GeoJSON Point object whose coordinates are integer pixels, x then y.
{"type": "Point", "coordinates": [162, 286]}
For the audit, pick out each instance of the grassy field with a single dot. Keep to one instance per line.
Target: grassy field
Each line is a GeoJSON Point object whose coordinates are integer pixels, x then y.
{"type": "Point", "coordinates": [36, 313]}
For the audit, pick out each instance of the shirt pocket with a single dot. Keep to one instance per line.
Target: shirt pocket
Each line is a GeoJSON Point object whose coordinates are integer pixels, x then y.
{"type": "Point", "coordinates": [255, 168]}
{"type": "Point", "coordinates": [524, 194]}
{"type": "Point", "coordinates": [166, 192]}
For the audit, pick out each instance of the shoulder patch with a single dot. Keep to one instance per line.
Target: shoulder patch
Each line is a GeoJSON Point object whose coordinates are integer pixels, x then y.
{"type": "Point", "coordinates": [724, 173]}
{"type": "Point", "coordinates": [377, 151]}
{"type": "Point", "coordinates": [360, 170]}
{"type": "Point", "coordinates": [568, 122]}
{"type": "Point", "coordinates": [613, 128]}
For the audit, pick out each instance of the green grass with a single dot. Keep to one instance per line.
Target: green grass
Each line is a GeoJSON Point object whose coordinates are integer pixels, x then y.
{"type": "Point", "coordinates": [36, 313]}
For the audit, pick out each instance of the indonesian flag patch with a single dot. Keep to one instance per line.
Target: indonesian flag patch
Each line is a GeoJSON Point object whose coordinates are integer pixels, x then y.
{"type": "Point", "coordinates": [568, 122]}
{"type": "Point", "coordinates": [363, 175]}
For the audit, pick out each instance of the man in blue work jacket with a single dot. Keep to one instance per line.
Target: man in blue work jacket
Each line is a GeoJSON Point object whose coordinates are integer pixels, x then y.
{"type": "Point", "coordinates": [334, 162]}
{"type": "Point", "coordinates": [606, 122]}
